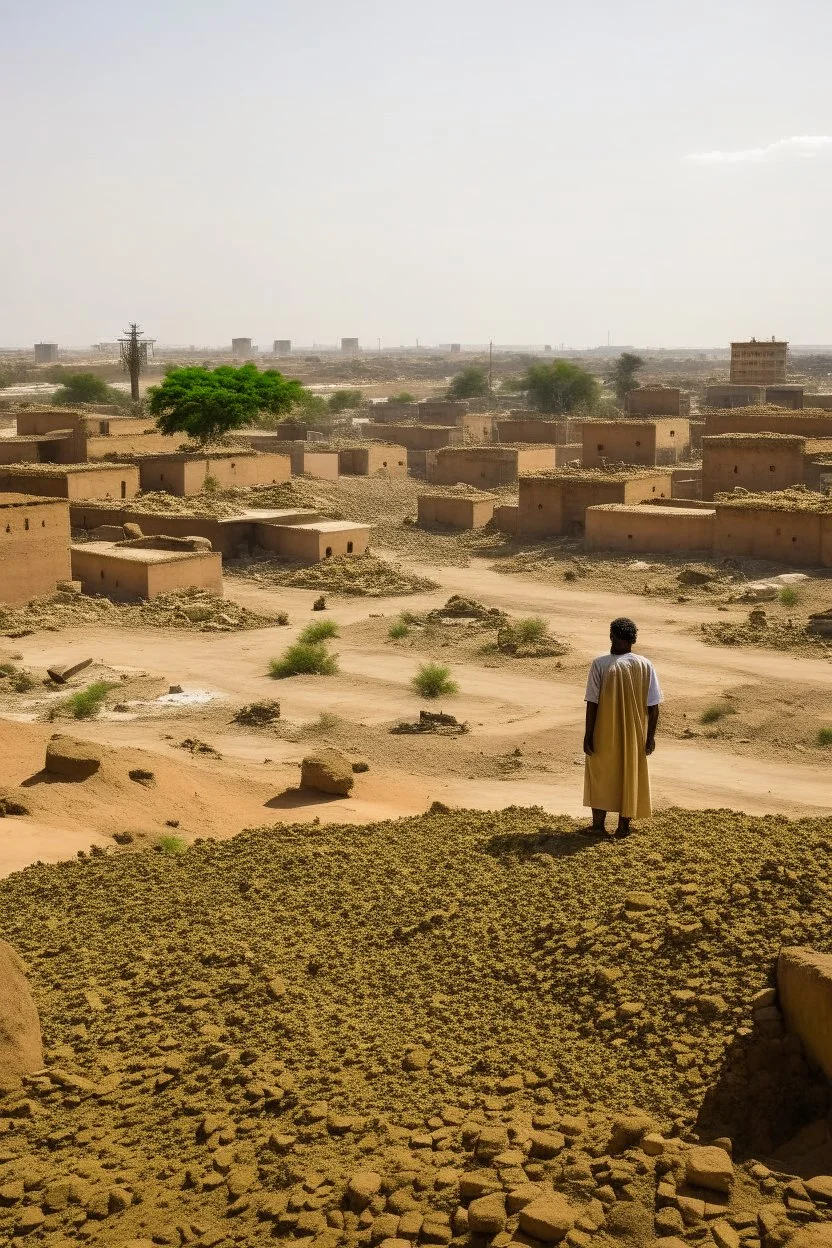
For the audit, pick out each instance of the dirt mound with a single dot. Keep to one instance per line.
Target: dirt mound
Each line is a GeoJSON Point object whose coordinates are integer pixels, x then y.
{"type": "Point", "coordinates": [460, 608]}
{"type": "Point", "coordinates": [356, 1033]}
{"type": "Point", "coordinates": [438, 722]}
{"type": "Point", "coordinates": [71, 759]}
{"type": "Point", "coordinates": [194, 609]}
{"type": "Point", "coordinates": [258, 714]}
{"type": "Point", "coordinates": [357, 575]}
{"type": "Point", "coordinates": [760, 629]}
{"type": "Point", "coordinates": [327, 771]}
{"type": "Point", "coordinates": [20, 1044]}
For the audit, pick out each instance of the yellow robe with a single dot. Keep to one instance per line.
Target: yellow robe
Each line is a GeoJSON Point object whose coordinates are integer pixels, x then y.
{"type": "Point", "coordinates": [615, 775]}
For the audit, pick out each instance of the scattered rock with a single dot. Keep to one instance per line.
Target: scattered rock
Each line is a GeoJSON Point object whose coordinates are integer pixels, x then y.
{"type": "Point", "coordinates": [72, 759]}
{"type": "Point", "coordinates": [62, 672]}
{"type": "Point", "coordinates": [549, 1218]}
{"type": "Point", "coordinates": [710, 1167]}
{"type": "Point", "coordinates": [20, 1043]}
{"type": "Point", "coordinates": [327, 771]}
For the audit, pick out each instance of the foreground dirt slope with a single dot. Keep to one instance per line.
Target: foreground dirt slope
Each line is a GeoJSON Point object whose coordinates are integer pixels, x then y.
{"type": "Point", "coordinates": [233, 1032]}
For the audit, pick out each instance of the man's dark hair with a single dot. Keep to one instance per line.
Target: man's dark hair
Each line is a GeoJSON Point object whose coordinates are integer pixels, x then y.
{"type": "Point", "coordinates": [624, 629]}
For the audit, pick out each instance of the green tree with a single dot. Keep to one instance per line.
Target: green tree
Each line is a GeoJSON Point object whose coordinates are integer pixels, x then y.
{"type": "Point", "coordinates": [471, 383]}
{"type": "Point", "coordinates": [343, 400]}
{"type": "Point", "coordinates": [206, 404]}
{"type": "Point", "coordinates": [623, 374]}
{"type": "Point", "coordinates": [87, 388]}
{"type": "Point", "coordinates": [560, 387]}
{"type": "Point", "coordinates": [404, 396]}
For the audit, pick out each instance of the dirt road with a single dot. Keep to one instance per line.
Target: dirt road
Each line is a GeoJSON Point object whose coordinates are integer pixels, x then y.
{"type": "Point", "coordinates": [505, 705]}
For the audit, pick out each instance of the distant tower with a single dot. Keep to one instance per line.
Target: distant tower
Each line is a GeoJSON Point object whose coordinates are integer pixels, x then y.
{"type": "Point", "coordinates": [282, 346]}
{"type": "Point", "coordinates": [46, 352]}
{"type": "Point", "coordinates": [134, 356]}
{"type": "Point", "coordinates": [349, 346]}
{"type": "Point", "coordinates": [241, 348]}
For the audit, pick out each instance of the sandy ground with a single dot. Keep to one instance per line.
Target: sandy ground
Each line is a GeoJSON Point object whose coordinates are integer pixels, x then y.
{"type": "Point", "coordinates": [533, 706]}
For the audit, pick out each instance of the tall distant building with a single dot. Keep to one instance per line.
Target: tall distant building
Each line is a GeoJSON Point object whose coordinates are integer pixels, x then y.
{"type": "Point", "coordinates": [349, 346]}
{"type": "Point", "coordinates": [46, 352]}
{"type": "Point", "coordinates": [758, 363]}
{"type": "Point", "coordinates": [241, 348]}
{"type": "Point", "coordinates": [282, 346]}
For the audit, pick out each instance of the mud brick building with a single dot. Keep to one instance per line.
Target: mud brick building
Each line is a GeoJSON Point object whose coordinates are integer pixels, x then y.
{"type": "Point", "coordinates": [487, 466]}
{"type": "Point", "coordinates": [663, 440]}
{"type": "Point", "coordinates": [658, 401]}
{"type": "Point", "coordinates": [185, 474]}
{"type": "Point", "coordinates": [456, 511]}
{"type": "Point", "coordinates": [756, 363]}
{"type": "Point", "coordinates": [648, 529]}
{"type": "Point", "coordinates": [71, 481]}
{"type": "Point", "coordinates": [34, 546]}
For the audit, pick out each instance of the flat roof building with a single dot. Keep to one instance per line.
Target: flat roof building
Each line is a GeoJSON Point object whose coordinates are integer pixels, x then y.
{"type": "Point", "coordinates": [46, 352]}
{"type": "Point", "coordinates": [756, 363]}
{"type": "Point", "coordinates": [134, 570]}
{"type": "Point", "coordinates": [282, 346]}
{"type": "Point", "coordinates": [71, 481]}
{"type": "Point", "coordinates": [349, 346]}
{"type": "Point", "coordinates": [241, 348]}
{"type": "Point", "coordinates": [34, 546]}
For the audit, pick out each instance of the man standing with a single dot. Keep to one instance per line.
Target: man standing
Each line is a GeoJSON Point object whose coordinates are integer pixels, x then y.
{"type": "Point", "coordinates": [622, 711]}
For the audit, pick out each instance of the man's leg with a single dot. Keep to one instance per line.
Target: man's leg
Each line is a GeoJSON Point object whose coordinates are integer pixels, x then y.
{"type": "Point", "coordinates": [623, 828]}
{"type": "Point", "coordinates": [597, 825]}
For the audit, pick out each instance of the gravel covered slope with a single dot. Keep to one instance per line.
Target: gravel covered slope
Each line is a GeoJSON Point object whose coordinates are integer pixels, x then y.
{"type": "Point", "coordinates": [310, 999]}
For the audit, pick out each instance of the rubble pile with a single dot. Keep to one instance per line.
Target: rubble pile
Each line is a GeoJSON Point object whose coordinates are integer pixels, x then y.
{"type": "Point", "coordinates": [462, 1028]}
{"type": "Point", "coordinates": [195, 609]}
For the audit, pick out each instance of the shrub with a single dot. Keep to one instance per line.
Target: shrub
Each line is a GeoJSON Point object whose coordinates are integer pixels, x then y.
{"type": "Point", "coordinates": [788, 596]}
{"type": "Point", "coordinates": [471, 383]}
{"type": "Point", "coordinates": [304, 658]}
{"type": "Point", "coordinates": [398, 629]}
{"type": "Point", "coordinates": [281, 617]}
{"type": "Point", "coordinates": [88, 702]}
{"type": "Point", "coordinates": [343, 400]}
{"type": "Point", "coordinates": [404, 396]}
{"type": "Point", "coordinates": [211, 484]}
{"type": "Point", "coordinates": [320, 630]}
{"type": "Point", "coordinates": [715, 712]}
{"type": "Point", "coordinates": [529, 630]}
{"type": "Point", "coordinates": [173, 845]}
{"type": "Point", "coordinates": [433, 680]}
{"type": "Point", "coordinates": [824, 736]}
{"type": "Point", "coordinates": [325, 722]}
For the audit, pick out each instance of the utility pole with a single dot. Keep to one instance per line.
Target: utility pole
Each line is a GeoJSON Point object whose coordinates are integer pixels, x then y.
{"type": "Point", "coordinates": [134, 356]}
{"type": "Point", "coordinates": [490, 365]}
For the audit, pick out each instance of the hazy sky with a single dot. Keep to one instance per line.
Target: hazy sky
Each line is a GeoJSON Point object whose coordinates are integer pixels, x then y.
{"type": "Point", "coordinates": [450, 171]}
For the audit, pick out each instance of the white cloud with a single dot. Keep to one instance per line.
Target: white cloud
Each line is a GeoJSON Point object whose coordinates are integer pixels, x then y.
{"type": "Point", "coordinates": [802, 146]}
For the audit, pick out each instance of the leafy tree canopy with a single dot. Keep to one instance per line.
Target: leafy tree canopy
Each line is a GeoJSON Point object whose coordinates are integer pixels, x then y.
{"type": "Point", "coordinates": [623, 374]}
{"type": "Point", "coordinates": [471, 383]}
{"type": "Point", "coordinates": [560, 387]}
{"type": "Point", "coordinates": [87, 388]}
{"type": "Point", "coordinates": [206, 404]}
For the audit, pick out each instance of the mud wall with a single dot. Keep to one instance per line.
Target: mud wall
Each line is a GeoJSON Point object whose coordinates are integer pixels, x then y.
{"type": "Point", "coordinates": [657, 401]}
{"type": "Point", "coordinates": [805, 424]}
{"type": "Point", "coordinates": [646, 529]}
{"type": "Point", "coordinates": [123, 579]}
{"type": "Point", "coordinates": [758, 465]}
{"type": "Point", "coordinates": [34, 549]}
{"type": "Point", "coordinates": [419, 437]}
{"type": "Point", "coordinates": [455, 510]}
{"type": "Point", "coordinates": [311, 543]}
{"type": "Point", "coordinates": [785, 536]}
{"type": "Point", "coordinates": [373, 460]}
{"type": "Point", "coordinates": [550, 432]}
